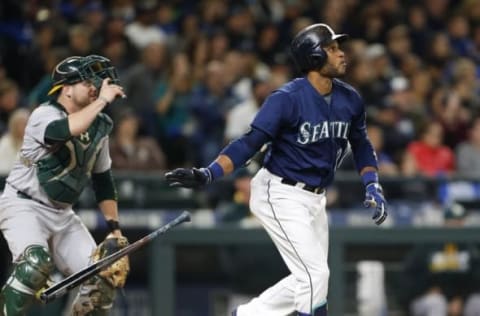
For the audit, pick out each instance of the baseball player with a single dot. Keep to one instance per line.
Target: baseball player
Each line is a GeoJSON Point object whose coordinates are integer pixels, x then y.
{"type": "Point", "coordinates": [65, 144]}
{"type": "Point", "coordinates": [309, 122]}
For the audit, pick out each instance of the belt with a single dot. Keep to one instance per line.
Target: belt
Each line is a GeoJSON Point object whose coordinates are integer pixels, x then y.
{"type": "Point", "coordinates": [316, 190]}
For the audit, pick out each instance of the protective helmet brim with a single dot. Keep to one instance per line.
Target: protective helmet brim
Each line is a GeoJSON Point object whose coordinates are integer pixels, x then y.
{"type": "Point", "coordinates": [340, 38]}
{"type": "Point", "coordinates": [54, 89]}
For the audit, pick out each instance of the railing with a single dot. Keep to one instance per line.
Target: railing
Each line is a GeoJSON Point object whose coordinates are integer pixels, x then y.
{"type": "Point", "coordinates": [163, 253]}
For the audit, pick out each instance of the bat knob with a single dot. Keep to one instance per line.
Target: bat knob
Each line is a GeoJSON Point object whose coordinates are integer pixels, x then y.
{"type": "Point", "coordinates": [40, 295]}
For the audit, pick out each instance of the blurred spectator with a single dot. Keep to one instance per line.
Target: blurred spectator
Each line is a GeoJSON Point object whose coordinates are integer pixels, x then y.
{"type": "Point", "coordinates": [12, 140]}
{"type": "Point", "coordinates": [210, 103]}
{"type": "Point", "coordinates": [240, 26]}
{"type": "Point", "coordinates": [419, 30]}
{"type": "Point", "coordinates": [94, 15]}
{"type": "Point", "coordinates": [386, 165]}
{"type": "Point", "coordinates": [80, 40]}
{"type": "Point", "coordinates": [396, 116]}
{"type": "Point", "coordinates": [143, 31]}
{"type": "Point", "coordinates": [173, 97]}
{"type": "Point", "coordinates": [398, 43]}
{"type": "Point", "coordinates": [237, 208]}
{"type": "Point", "coordinates": [238, 73]}
{"type": "Point", "coordinates": [268, 46]}
{"type": "Point", "coordinates": [468, 152]}
{"type": "Point", "coordinates": [437, 13]}
{"type": "Point", "coordinates": [242, 114]}
{"type": "Point", "coordinates": [466, 82]}
{"type": "Point", "coordinates": [438, 278]}
{"type": "Point", "coordinates": [116, 46]}
{"type": "Point", "coordinates": [140, 81]}
{"type": "Point", "coordinates": [9, 102]}
{"type": "Point", "coordinates": [130, 151]}
{"type": "Point", "coordinates": [383, 71]}
{"type": "Point", "coordinates": [38, 94]}
{"type": "Point", "coordinates": [453, 116]}
{"type": "Point", "coordinates": [458, 30]}
{"type": "Point", "coordinates": [430, 156]}
{"type": "Point", "coordinates": [438, 56]}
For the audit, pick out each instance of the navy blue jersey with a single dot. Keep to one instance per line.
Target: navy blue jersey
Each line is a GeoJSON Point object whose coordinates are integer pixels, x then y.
{"type": "Point", "coordinates": [310, 136]}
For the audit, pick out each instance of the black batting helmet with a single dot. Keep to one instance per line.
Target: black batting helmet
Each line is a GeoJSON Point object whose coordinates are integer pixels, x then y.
{"type": "Point", "coordinates": [307, 46]}
{"type": "Point", "coordinates": [77, 68]}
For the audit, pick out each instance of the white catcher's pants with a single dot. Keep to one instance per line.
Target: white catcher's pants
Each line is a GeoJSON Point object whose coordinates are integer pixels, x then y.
{"type": "Point", "coordinates": [297, 222]}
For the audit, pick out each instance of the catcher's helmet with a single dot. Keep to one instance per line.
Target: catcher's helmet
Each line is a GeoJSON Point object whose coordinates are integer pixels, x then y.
{"type": "Point", "coordinates": [307, 46]}
{"type": "Point", "coordinates": [77, 68]}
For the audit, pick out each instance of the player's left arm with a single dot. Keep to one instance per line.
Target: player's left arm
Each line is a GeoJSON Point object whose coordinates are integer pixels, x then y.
{"type": "Point", "coordinates": [366, 163]}
{"type": "Point", "coordinates": [104, 187]}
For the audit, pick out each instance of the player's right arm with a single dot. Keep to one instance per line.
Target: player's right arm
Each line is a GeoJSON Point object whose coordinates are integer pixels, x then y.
{"type": "Point", "coordinates": [265, 126]}
{"type": "Point", "coordinates": [231, 157]}
{"type": "Point", "coordinates": [79, 122]}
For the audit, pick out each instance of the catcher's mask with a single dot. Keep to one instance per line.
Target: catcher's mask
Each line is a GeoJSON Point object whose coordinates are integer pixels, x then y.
{"type": "Point", "coordinates": [75, 69]}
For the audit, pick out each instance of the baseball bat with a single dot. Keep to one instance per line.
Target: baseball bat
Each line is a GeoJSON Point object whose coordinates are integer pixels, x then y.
{"type": "Point", "coordinates": [62, 287]}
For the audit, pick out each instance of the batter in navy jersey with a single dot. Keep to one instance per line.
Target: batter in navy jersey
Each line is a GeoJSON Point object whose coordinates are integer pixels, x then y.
{"type": "Point", "coordinates": [309, 122]}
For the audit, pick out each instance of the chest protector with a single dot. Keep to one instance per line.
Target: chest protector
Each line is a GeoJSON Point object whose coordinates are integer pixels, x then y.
{"type": "Point", "coordinates": [65, 171]}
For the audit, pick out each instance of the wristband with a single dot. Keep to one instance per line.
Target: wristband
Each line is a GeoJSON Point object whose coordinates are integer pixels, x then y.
{"type": "Point", "coordinates": [370, 177]}
{"type": "Point", "coordinates": [113, 225]}
{"type": "Point", "coordinates": [216, 171]}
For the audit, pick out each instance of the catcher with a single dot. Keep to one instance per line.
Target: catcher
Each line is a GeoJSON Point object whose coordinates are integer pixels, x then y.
{"type": "Point", "coordinates": [65, 147]}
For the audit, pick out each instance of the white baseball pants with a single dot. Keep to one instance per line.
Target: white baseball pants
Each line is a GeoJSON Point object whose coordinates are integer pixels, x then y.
{"type": "Point", "coordinates": [297, 222]}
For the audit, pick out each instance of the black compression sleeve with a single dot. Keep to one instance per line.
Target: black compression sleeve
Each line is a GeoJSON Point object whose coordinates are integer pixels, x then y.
{"type": "Point", "coordinates": [243, 148]}
{"type": "Point", "coordinates": [104, 186]}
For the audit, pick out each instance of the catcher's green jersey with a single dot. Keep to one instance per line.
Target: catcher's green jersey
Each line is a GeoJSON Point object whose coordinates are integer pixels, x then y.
{"type": "Point", "coordinates": [57, 174]}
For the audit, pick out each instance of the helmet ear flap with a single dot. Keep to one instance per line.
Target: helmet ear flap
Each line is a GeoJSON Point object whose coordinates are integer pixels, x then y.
{"type": "Point", "coordinates": [318, 59]}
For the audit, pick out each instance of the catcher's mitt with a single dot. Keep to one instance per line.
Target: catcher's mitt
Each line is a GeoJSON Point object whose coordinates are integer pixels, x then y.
{"type": "Point", "coordinates": [115, 274]}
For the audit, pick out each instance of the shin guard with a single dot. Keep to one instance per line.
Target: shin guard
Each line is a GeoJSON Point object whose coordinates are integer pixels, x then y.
{"type": "Point", "coordinates": [30, 274]}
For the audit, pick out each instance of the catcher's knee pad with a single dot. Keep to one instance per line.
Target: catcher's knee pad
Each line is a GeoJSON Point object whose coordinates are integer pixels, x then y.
{"type": "Point", "coordinates": [95, 298]}
{"type": "Point", "coordinates": [30, 274]}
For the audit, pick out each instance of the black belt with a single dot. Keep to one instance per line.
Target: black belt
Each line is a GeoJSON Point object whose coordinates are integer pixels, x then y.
{"type": "Point", "coordinates": [316, 190]}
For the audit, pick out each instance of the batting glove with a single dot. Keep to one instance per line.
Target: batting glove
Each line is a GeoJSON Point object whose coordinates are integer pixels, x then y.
{"type": "Point", "coordinates": [374, 198]}
{"type": "Point", "coordinates": [189, 178]}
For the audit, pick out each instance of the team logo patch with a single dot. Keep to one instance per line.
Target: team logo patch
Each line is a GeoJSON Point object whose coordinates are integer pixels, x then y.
{"type": "Point", "coordinates": [84, 138]}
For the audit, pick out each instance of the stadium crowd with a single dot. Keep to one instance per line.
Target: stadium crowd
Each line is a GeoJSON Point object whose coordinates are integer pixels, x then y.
{"type": "Point", "coordinates": [195, 72]}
